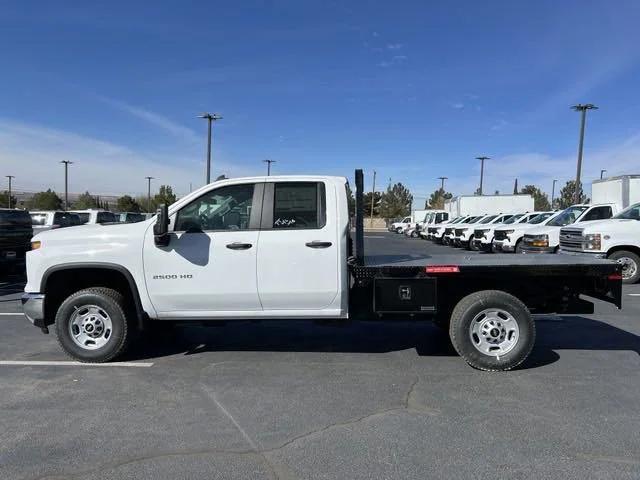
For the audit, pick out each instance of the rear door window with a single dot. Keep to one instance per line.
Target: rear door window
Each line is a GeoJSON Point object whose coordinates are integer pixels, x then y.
{"type": "Point", "coordinates": [299, 205]}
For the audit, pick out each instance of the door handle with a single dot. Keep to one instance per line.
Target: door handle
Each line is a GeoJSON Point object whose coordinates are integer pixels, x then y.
{"type": "Point", "coordinates": [318, 244]}
{"type": "Point", "coordinates": [239, 246]}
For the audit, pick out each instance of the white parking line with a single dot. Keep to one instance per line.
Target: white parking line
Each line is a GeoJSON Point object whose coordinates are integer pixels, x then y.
{"type": "Point", "coordinates": [38, 363]}
{"type": "Point", "coordinates": [9, 314]}
{"type": "Point", "coordinates": [634, 294]}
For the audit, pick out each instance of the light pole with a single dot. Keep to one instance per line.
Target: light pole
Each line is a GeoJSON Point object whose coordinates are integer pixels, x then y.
{"type": "Point", "coordinates": [66, 182]}
{"type": "Point", "coordinates": [583, 118]}
{"type": "Point", "coordinates": [602, 173]}
{"type": "Point", "coordinates": [373, 199]}
{"type": "Point", "coordinates": [10, 177]}
{"type": "Point", "coordinates": [442, 179]}
{"type": "Point", "coordinates": [553, 192]}
{"type": "Point", "coordinates": [211, 117]}
{"type": "Point", "coordinates": [149, 193]}
{"type": "Point", "coordinates": [482, 159]}
{"type": "Point", "coordinates": [269, 162]}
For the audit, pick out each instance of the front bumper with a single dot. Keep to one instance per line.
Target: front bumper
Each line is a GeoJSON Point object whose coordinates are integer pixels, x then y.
{"type": "Point", "coordinates": [484, 246]}
{"type": "Point", "coordinates": [501, 246]}
{"type": "Point", "coordinates": [583, 254]}
{"type": "Point", "coordinates": [530, 249]}
{"type": "Point", "coordinates": [33, 308]}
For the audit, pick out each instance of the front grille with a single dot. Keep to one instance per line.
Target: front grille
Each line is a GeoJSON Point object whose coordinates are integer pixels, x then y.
{"type": "Point", "coordinates": [500, 235]}
{"type": "Point", "coordinates": [459, 231]}
{"type": "Point", "coordinates": [479, 233]}
{"type": "Point", "coordinates": [447, 231]}
{"type": "Point", "coordinates": [432, 229]}
{"type": "Point", "coordinates": [571, 238]}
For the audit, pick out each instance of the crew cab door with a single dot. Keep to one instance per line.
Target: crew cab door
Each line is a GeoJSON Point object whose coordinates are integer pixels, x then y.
{"type": "Point", "coordinates": [209, 266]}
{"type": "Point", "coordinates": [298, 264]}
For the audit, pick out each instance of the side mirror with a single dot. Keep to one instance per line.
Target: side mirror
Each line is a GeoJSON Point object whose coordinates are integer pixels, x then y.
{"type": "Point", "coordinates": [161, 228]}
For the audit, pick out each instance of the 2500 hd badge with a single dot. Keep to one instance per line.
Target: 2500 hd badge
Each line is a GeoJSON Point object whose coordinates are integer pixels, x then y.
{"type": "Point", "coordinates": [173, 276]}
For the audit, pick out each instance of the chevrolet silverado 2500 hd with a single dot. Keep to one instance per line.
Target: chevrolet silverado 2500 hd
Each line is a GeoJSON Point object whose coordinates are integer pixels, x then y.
{"type": "Point", "coordinates": [281, 247]}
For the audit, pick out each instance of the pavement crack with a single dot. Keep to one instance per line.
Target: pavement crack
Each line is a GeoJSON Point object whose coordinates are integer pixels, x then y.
{"type": "Point", "coordinates": [407, 399]}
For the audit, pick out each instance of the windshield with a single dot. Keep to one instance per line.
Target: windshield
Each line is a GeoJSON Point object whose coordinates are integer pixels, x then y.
{"type": "Point", "coordinates": [472, 219]}
{"type": "Point", "coordinates": [513, 219]}
{"type": "Point", "coordinates": [567, 217]}
{"type": "Point", "coordinates": [630, 213]}
{"type": "Point", "coordinates": [84, 217]}
{"type": "Point", "coordinates": [488, 219]}
{"type": "Point", "coordinates": [540, 218]}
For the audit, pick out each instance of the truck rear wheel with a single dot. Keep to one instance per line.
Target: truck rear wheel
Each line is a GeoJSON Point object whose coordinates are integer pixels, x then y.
{"type": "Point", "coordinates": [630, 265]}
{"type": "Point", "coordinates": [91, 325]}
{"type": "Point", "coordinates": [492, 330]}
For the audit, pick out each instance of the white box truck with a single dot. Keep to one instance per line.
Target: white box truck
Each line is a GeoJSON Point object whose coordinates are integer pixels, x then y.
{"type": "Point", "coordinates": [623, 190]}
{"type": "Point", "coordinates": [488, 204]}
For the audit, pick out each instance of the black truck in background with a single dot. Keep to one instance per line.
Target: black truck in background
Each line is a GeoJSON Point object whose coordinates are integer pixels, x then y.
{"type": "Point", "coordinates": [15, 239]}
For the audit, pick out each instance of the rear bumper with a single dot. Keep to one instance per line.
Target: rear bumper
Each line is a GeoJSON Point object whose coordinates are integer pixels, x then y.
{"type": "Point", "coordinates": [33, 308]}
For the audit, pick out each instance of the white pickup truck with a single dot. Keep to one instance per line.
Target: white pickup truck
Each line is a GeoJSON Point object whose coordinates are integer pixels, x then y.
{"type": "Point", "coordinates": [617, 238]}
{"type": "Point", "coordinates": [280, 248]}
{"type": "Point", "coordinates": [546, 238]}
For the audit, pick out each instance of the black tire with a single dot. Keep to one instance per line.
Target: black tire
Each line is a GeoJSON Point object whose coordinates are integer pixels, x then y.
{"type": "Point", "coordinates": [109, 301]}
{"type": "Point", "coordinates": [472, 306]}
{"type": "Point", "coordinates": [471, 246]}
{"type": "Point", "coordinates": [414, 234]}
{"type": "Point", "coordinates": [399, 230]}
{"type": "Point", "coordinates": [630, 271]}
{"type": "Point", "coordinates": [519, 248]}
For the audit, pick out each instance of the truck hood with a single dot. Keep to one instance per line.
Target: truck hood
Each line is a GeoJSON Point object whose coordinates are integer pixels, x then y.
{"type": "Point", "coordinates": [612, 225]}
{"type": "Point", "coordinates": [544, 230]}
{"type": "Point", "coordinates": [519, 227]}
{"type": "Point", "coordinates": [94, 234]}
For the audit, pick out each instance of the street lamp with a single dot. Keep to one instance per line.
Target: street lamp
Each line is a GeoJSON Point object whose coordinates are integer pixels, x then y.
{"type": "Point", "coordinates": [442, 179]}
{"type": "Point", "coordinates": [66, 182]}
{"type": "Point", "coordinates": [10, 177]}
{"type": "Point", "coordinates": [583, 118]}
{"type": "Point", "coordinates": [553, 192]}
{"type": "Point", "coordinates": [211, 117]}
{"type": "Point", "coordinates": [149, 193]}
{"type": "Point", "coordinates": [269, 162]}
{"type": "Point", "coordinates": [602, 173]}
{"type": "Point", "coordinates": [482, 159]}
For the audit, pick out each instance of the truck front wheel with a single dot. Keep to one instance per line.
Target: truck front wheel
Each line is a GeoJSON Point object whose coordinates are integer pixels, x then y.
{"type": "Point", "coordinates": [630, 265]}
{"type": "Point", "coordinates": [91, 325]}
{"type": "Point", "coordinates": [492, 330]}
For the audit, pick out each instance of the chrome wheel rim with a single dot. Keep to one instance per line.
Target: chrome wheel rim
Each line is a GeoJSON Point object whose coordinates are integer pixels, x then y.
{"type": "Point", "coordinates": [494, 332]}
{"type": "Point", "coordinates": [90, 327]}
{"type": "Point", "coordinates": [629, 267]}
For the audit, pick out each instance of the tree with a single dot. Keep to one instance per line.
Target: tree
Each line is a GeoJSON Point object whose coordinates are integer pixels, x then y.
{"type": "Point", "coordinates": [497, 192]}
{"type": "Point", "coordinates": [4, 200]}
{"type": "Point", "coordinates": [376, 204]}
{"type": "Point", "coordinates": [86, 200]}
{"type": "Point", "coordinates": [351, 201]}
{"type": "Point", "coordinates": [540, 199]}
{"type": "Point", "coordinates": [126, 203]}
{"type": "Point", "coordinates": [436, 200]}
{"type": "Point", "coordinates": [221, 177]}
{"type": "Point", "coordinates": [477, 192]}
{"type": "Point", "coordinates": [165, 195]}
{"type": "Point", "coordinates": [48, 200]}
{"type": "Point", "coordinates": [396, 201]}
{"type": "Point", "coordinates": [567, 195]}
{"type": "Point", "coordinates": [515, 187]}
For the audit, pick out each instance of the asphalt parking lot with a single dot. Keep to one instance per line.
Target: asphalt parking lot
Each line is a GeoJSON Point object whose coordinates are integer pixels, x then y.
{"type": "Point", "coordinates": [296, 400]}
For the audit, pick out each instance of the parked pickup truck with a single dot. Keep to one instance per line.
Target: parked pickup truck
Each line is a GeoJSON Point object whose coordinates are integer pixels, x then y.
{"type": "Point", "coordinates": [546, 238]}
{"type": "Point", "coordinates": [617, 238]}
{"type": "Point", "coordinates": [280, 248]}
{"type": "Point", "coordinates": [483, 234]}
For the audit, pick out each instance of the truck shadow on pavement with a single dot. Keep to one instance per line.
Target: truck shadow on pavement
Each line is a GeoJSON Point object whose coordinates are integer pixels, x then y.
{"type": "Point", "coordinates": [554, 335]}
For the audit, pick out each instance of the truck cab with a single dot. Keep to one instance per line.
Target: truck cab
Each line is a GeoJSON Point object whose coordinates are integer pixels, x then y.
{"type": "Point", "coordinates": [401, 225]}
{"type": "Point", "coordinates": [617, 238]}
{"type": "Point", "coordinates": [465, 236]}
{"type": "Point", "coordinates": [93, 216]}
{"type": "Point", "coordinates": [546, 239]}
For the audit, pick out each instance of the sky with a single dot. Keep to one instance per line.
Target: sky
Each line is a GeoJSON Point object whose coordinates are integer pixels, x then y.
{"type": "Point", "coordinates": [412, 90]}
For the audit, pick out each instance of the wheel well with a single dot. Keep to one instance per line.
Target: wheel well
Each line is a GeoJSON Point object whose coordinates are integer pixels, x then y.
{"type": "Point", "coordinates": [627, 248]}
{"type": "Point", "coordinates": [61, 283]}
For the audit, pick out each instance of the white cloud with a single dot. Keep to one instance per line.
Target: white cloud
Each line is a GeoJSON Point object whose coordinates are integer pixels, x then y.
{"type": "Point", "coordinates": [155, 119]}
{"type": "Point", "coordinates": [32, 153]}
{"type": "Point", "coordinates": [394, 46]}
{"type": "Point", "coordinates": [457, 105]}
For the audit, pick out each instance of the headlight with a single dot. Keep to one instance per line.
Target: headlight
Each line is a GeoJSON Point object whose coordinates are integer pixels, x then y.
{"type": "Point", "coordinates": [592, 242]}
{"type": "Point", "coordinates": [36, 245]}
{"type": "Point", "coordinates": [508, 231]}
{"type": "Point", "coordinates": [537, 240]}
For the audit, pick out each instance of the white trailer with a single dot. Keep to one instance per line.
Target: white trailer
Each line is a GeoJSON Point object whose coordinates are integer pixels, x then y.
{"type": "Point", "coordinates": [488, 204]}
{"type": "Point", "coordinates": [622, 191]}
